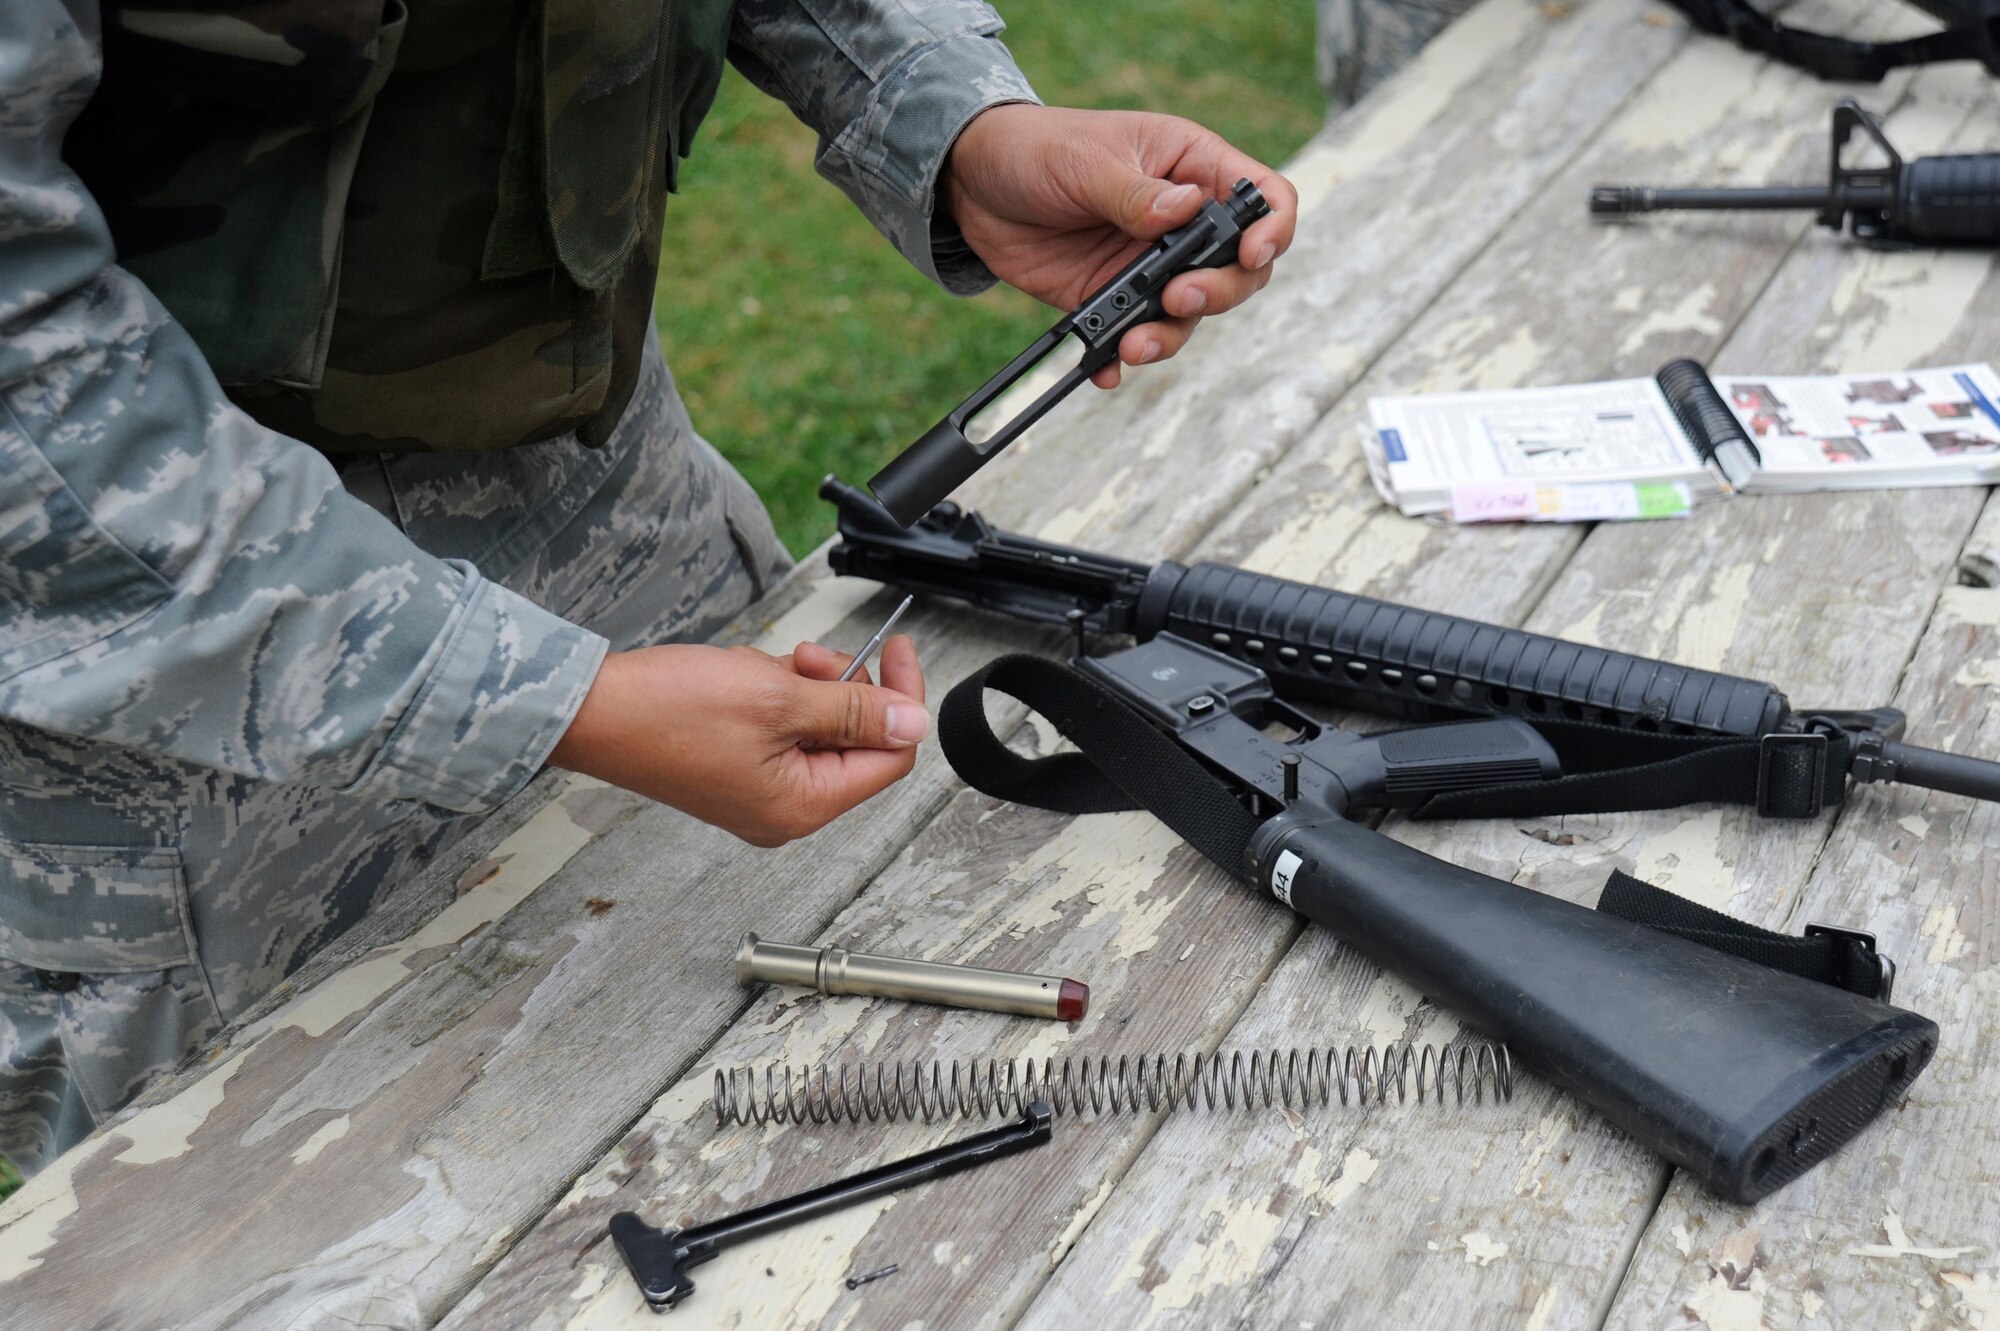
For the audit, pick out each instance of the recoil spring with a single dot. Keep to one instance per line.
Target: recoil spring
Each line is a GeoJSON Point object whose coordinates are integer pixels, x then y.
{"type": "Point", "coordinates": [1292, 1079]}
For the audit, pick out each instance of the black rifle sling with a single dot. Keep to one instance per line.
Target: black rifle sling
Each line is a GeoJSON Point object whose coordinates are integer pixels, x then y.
{"type": "Point", "coordinates": [1841, 58]}
{"type": "Point", "coordinates": [1125, 762]}
{"type": "Point", "coordinates": [1838, 957]}
{"type": "Point", "coordinates": [1609, 769]}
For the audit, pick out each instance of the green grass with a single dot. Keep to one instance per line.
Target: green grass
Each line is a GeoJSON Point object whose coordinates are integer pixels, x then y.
{"type": "Point", "coordinates": [10, 1177]}
{"type": "Point", "coordinates": [802, 341]}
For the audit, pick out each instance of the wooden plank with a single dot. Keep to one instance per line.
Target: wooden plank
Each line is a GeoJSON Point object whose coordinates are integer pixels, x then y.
{"type": "Point", "coordinates": [1526, 1216]}
{"type": "Point", "coordinates": [672, 1165]}
{"type": "Point", "coordinates": [437, 1096]}
{"type": "Point", "coordinates": [1900, 1228]}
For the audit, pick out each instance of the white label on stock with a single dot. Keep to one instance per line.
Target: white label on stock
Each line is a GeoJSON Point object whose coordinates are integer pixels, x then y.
{"type": "Point", "coordinates": [1281, 875]}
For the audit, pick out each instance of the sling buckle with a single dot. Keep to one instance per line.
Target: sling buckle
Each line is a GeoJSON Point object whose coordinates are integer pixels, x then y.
{"type": "Point", "coordinates": [1791, 775]}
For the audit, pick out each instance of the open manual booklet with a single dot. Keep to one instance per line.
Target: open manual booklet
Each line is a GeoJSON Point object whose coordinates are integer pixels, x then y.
{"type": "Point", "coordinates": [1644, 448]}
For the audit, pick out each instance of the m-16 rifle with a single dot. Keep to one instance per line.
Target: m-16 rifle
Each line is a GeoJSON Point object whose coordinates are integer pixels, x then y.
{"type": "Point", "coordinates": [1931, 201]}
{"type": "Point", "coordinates": [1631, 732]}
{"type": "Point", "coordinates": [1743, 1074]}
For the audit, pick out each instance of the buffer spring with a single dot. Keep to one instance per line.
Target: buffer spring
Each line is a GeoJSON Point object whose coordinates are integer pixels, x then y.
{"type": "Point", "coordinates": [1295, 1079]}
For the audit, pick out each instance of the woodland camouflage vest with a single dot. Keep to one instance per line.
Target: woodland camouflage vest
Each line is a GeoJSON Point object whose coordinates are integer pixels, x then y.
{"type": "Point", "coordinates": [403, 224]}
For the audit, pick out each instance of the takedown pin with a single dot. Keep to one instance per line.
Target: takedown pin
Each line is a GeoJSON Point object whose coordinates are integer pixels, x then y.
{"type": "Point", "coordinates": [835, 970]}
{"type": "Point", "coordinates": [861, 657]}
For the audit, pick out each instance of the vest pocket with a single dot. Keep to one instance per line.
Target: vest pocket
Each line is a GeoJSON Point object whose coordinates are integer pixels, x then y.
{"type": "Point", "coordinates": [93, 910]}
{"type": "Point", "coordinates": [109, 930]}
{"type": "Point", "coordinates": [607, 96]}
{"type": "Point", "coordinates": [300, 62]}
{"type": "Point", "coordinates": [585, 142]}
{"type": "Point", "coordinates": [241, 242]}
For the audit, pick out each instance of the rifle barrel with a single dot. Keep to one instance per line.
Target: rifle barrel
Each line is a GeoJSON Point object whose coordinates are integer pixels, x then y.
{"type": "Point", "coordinates": [1952, 773]}
{"type": "Point", "coordinates": [1618, 199]}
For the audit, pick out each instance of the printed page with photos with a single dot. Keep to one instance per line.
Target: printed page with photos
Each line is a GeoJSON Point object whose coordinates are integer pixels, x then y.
{"type": "Point", "coordinates": [1870, 431]}
{"type": "Point", "coordinates": [1647, 448]}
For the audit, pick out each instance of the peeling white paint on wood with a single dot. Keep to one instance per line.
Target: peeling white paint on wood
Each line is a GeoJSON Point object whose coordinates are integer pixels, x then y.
{"type": "Point", "coordinates": [1899, 1244]}
{"type": "Point", "coordinates": [814, 619]}
{"type": "Point", "coordinates": [162, 1133]}
{"type": "Point", "coordinates": [34, 1214]}
{"type": "Point", "coordinates": [525, 860]}
{"type": "Point", "coordinates": [1910, 867]}
{"type": "Point", "coordinates": [1978, 1298]}
{"type": "Point", "coordinates": [1482, 1249]}
{"type": "Point", "coordinates": [1929, 294]}
{"type": "Point", "coordinates": [332, 1131]}
{"type": "Point", "coordinates": [1390, 121]}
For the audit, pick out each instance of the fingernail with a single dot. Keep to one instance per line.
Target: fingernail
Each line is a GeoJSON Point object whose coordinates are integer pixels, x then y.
{"type": "Point", "coordinates": [1193, 302]}
{"type": "Point", "coordinates": [1265, 254]}
{"type": "Point", "coordinates": [908, 723]}
{"type": "Point", "coordinates": [1171, 198]}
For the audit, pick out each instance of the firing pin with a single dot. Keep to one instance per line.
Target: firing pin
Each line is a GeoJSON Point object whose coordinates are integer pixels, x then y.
{"type": "Point", "coordinates": [835, 970]}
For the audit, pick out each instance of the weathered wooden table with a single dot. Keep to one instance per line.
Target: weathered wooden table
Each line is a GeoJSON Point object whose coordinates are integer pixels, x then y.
{"type": "Point", "coordinates": [433, 1126]}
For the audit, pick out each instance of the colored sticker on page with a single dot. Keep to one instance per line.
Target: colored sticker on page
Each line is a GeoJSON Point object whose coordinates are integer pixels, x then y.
{"type": "Point", "coordinates": [1524, 501]}
{"type": "Point", "coordinates": [1664, 501]}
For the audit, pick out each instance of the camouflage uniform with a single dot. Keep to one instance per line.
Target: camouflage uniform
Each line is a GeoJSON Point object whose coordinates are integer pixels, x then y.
{"type": "Point", "coordinates": [247, 685]}
{"type": "Point", "coordinates": [1362, 42]}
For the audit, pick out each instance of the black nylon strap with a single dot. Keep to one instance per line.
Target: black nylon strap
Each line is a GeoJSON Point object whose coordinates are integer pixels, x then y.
{"type": "Point", "coordinates": [1125, 761]}
{"type": "Point", "coordinates": [1842, 959]}
{"type": "Point", "coordinates": [1842, 58]}
{"type": "Point", "coordinates": [1607, 769]}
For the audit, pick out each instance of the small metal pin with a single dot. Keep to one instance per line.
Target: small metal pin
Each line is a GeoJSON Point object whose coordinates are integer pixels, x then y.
{"type": "Point", "coordinates": [856, 1282]}
{"type": "Point", "coordinates": [1076, 618]}
{"type": "Point", "coordinates": [861, 657]}
{"type": "Point", "coordinates": [1290, 762]}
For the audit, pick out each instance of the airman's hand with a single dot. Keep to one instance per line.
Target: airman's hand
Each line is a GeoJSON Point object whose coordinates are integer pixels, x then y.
{"type": "Point", "coordinates": [767, 747]}
{"type": "Point", "coordinates": [1057, 201]}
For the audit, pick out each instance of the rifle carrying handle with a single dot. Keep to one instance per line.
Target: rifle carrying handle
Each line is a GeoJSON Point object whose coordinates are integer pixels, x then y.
{"type": "Point", "coordinates": [1952, 200]}
{"type": "Point", "coordinates": [1355, 650]}
{"type": "Point", "coordinates": [1743, 1075]}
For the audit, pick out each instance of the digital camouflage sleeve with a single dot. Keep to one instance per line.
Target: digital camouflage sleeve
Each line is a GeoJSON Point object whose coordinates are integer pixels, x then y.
{"type": "Point", "coordinates": [888, 91]}
{"type": "Point", "coordinates": [176, 578]}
